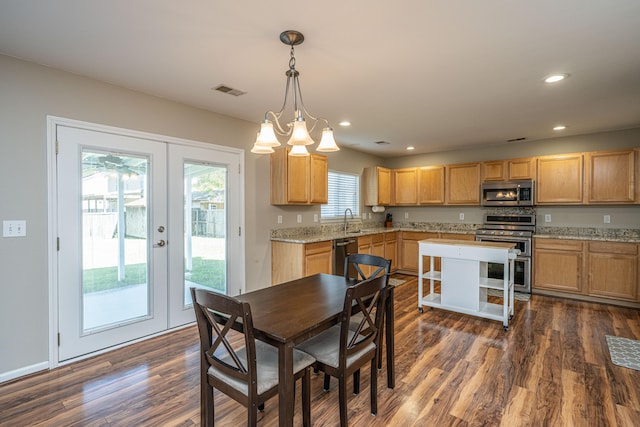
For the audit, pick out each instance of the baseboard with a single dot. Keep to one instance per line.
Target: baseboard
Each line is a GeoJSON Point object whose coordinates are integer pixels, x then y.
{"type": "Point", "coordinates": [27, 370]}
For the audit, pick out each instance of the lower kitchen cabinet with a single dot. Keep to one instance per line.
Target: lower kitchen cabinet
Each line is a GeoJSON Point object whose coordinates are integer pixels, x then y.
{"type": "Point", "coordinates": [372, 244]}
{"type": "Point", "coordinates": [290, 261]}
{"type": "Point", "coordinates": [558, 265]}
{"type": "Point", "coordinates": [409, 249]}
{"type": "Point", "coordinates": [587, 268]}
{"type": "Point", "coordinates": [613, 270]}
{"type": "Point", "coordinates": [391, 249]}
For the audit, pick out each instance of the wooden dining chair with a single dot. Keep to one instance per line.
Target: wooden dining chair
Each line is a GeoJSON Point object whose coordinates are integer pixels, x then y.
{"type": "Point", "coordinates": [232, 361]}
{"type": "Point", "coordinates": [363, 266]}
{"type": "Point", "coordinates": [341, 352]}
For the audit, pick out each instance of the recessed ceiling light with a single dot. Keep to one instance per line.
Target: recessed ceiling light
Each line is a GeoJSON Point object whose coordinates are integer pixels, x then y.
{"type": "Point", "coordinates": [554, 78]}
{"type": "Point", "coordinates": [559, 127]}
{"type": "Point", "coordinates": [411, 147]}
{"type": "Point", "coordinates": [345, 123]}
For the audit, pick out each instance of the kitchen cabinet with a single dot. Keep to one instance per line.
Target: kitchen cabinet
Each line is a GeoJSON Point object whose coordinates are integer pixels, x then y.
{"type": "Point", "coordinates": [391, 249]}
{"type": "Point", "coordinates": [409, 249]}
{"type": "Point", "coordinates": [558, 265]}
{"type": "Point", "coordinates": [560, 180]}
{"type": "Point", "coordinates": [372, 244]}
{"type": "Point", "coordinates": [290, 261]}
{"type": "Point", "coordinates": [495, 170]}
{"type": "Point", "coordinates": [405, 186]}
{"type": "Point", "coordinates": [613, 270]}
{"type": "Point", "coordinates": [376, 186]}
{"type": "Point", "coordinates": [431, 185]}
{"type": "Point", "coordinates": [463, 184]}
{"type": "Point", "coordinates": [522, 168]}
{"type": "Point", "coordinates": [298, 180]}
{"type": "Point", "coordinates": [610, 177]}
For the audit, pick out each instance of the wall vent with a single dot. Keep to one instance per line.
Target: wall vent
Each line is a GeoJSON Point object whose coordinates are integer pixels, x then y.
{"type": "Point", "coordinates": [229, 90]}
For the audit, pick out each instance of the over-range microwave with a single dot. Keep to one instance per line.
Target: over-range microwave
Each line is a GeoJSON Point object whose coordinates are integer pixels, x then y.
{"type": "Point", "coordinates": [508, 193]}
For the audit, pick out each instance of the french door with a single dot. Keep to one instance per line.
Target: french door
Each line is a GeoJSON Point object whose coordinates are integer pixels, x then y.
{"type": "Point", "coordinates": [139, 222]}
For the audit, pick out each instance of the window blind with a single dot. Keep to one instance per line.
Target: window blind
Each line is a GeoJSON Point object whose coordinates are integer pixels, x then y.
{"type": "Point", "coordinates": [344, 192]}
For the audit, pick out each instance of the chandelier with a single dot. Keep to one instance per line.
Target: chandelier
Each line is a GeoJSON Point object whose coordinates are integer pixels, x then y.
{"type": "Point", "coordinates": [296, 128]}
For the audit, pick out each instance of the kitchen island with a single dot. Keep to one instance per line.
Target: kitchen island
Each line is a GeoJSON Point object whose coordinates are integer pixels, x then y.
{"type": "Point", "coordinates": [463, 277]}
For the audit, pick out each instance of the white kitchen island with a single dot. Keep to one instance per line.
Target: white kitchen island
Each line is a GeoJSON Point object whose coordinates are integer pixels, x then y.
{"type": "Point", "coordinates": [463, 277]}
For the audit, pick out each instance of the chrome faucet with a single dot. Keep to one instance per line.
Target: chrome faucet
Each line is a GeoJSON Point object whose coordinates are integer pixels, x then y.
{"type": "Point", "coordinates": [345, 218]}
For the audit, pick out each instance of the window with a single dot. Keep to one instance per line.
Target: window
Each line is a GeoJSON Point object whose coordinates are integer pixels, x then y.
{"type": "Point", "coordinates": [344, 192]}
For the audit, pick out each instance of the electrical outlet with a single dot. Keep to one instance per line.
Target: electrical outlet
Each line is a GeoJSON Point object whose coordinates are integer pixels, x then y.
{"type": "Point", "coordinates": [299, 218]}
{"type": "Point", "coordinates": [279, 219]}
{"type": "Point", "coordinates": [607, 219]}
{"type": "Point", "coordinates": [315, 217]}
{"type": "Point", "coordinates": [406, 215]}
{"type": "Point", "coordinates": [461, 216]}
{"type": "Point", "coordinates": [14, 228]}
{"type": "Point", "coordinates": [547, 218]}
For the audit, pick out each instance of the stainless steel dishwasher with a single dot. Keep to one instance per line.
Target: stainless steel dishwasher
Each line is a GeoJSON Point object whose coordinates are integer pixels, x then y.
{"type": "Point", "coordinates": [341, 249]}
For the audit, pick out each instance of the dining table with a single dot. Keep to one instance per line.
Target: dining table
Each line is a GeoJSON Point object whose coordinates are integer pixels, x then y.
{"type": "Point", "coordinates": [287, 314]}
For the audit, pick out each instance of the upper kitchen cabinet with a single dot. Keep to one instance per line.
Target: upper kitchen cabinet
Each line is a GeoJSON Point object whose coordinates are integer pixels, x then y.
{"type": "Point", "coordinates": [610, 177]}
{"type": "Point", "coordinates": [559, 180]}
{"type": "Point", "coordinates": [431, 185]}
{"type": "Point", "coordinates": [377, 186]}
{"type": "Point", "coordinates": [405, 186]}
{"type": "Point", "coordinates": [298, 180]}
{"type": "Point", "coordinates": [508, 170]}
{"type": "Point", "coordinates": [463, 184]}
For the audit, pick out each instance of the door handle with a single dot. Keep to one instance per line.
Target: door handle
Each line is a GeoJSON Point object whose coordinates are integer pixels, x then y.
{"type": "Point", "coordinates": [160, 244]}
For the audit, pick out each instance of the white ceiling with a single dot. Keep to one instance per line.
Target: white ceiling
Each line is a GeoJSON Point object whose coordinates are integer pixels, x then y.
{"type": "Point", "coordinates": [440, 75]}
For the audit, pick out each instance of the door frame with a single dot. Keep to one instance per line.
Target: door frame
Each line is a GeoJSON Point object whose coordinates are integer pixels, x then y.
{"type": "Point", "coordinates": [52, 219]}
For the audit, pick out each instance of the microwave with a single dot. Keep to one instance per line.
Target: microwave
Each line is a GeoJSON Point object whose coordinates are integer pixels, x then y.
{"type": "Point", "coordinates": [508, 193]}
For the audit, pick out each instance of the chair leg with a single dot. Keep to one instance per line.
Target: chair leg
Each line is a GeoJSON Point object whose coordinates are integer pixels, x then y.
{"type": "Point", "coordinates": [342, 398]}
{"type": "Point", "coordinates": [374, 388]}
{"type": "Point", "coordinates": [207, 414]}
{"type": "Point", "coordinates": [252, 416]}
{"type": "Point", "coordinates": [356, 382]}
{"type": "Point", "coordinates": [327, 381]}
{"type": "Point", "coordinates": [306, 399]}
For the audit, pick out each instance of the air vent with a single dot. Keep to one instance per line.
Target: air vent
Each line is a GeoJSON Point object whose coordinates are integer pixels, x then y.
{"type": "Point", "coordinates": [229, 90]}
{"type": "Point", "coordinates": [382, 142]}
{"type": "Point", "coordinates": [516, 139]}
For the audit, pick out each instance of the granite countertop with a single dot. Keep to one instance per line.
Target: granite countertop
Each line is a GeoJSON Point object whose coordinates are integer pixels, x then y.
{"type": "Point", "coordinates": [586, 233]}
{"type": "Point", "coordinates": [335, 231]}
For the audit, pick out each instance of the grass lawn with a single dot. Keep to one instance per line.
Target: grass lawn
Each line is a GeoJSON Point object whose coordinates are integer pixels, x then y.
{"type": "Point", "coordinates": [206, 272]}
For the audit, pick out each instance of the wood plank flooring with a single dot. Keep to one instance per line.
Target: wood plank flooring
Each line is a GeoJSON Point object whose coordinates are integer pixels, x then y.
{"type": "Point", "coordinates": [552, 368]}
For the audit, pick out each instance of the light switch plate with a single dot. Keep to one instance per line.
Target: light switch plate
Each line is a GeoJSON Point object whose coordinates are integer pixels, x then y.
{"type": "Point", "coordinates": [315, 217]}
{"type": "Point", "coordinates": [279, 219]}
{"type": "Point", "coordinates": [299, 219]}
{"type": "Point", "coordinates": [14, 228]}
{"type": "Point", "coordinates": [461, 216]}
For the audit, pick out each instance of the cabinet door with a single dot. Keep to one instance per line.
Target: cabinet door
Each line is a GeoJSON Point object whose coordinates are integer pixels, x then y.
{"type": "Point", "coordinates": [559, 180]}
{"type": "Point", "coordinates": [463, 184]}
{"type": "Point", "coordinates": [409, 249]}
{"type": "Point", "coordinates": [610, 176]}
{"type": "Point", "coordinates": [558, 265]}
{"type": "Point", "coordinates": [521, 168]}
{"type": "Point", "coordinates": [317, 258]}
{"type": "Point", "coordinates": [391, 249]}
{"type": "Point", "coordinates": [384, 186]}
{"type": "Point", "coordinates": [377, 186]}
{"type": "Point", "coordinates": [298, 176]}
{"type": "Point", "coordinates": [613, 270]}
{"type": "Point", "coordinates": [319, 179]}
{"type": "Point", "coordinates": [494, 170]}
{"type": "Point", "coordinates": [405, 186]}
{"type": "Point", "coordinates": [431, 185]}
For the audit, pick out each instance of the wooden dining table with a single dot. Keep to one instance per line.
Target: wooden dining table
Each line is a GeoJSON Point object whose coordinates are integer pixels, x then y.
{"type": "Point", "coordinates": [287, 314]}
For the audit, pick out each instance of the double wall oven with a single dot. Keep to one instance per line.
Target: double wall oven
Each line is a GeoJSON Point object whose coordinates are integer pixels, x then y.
{"type": "Point", "coordinates": [512, 228]}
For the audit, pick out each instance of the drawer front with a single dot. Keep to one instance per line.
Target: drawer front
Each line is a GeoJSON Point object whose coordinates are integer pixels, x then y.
{"type": "Point", "coordinates": [559, 245]}
{"type": "Point", "coordinates": [614, 248]}
{"type": "Point", "coordinates": [318, 247]}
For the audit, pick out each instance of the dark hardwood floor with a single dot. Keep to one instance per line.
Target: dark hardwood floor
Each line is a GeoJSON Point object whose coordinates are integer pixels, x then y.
{"type": "Point", "coordinates": [552, 368]}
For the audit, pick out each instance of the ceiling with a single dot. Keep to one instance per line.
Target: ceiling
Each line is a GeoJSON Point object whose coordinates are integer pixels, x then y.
{"type": "Point", "coordinates": [437, 75]}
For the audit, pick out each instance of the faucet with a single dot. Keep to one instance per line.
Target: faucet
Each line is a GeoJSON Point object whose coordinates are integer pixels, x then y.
{"type": "Point", "coordinates": [345, 218]}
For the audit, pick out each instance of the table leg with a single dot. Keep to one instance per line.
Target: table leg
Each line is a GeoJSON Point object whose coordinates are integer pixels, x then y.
{"type": "Point", "coordinates": [389, 329]}
{"type": "Point", "coordinates": [286, 386]}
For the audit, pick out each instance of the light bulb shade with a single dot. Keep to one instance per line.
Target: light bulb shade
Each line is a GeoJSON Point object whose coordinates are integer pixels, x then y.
{"type": "Point", "coordinates": [299, 134]}
{"type": "Point", "coordinates": [267, 137]}
{"type": "Point", "coordinates": [327, 143]}
{"type": "Point", "coordinates": [298, 151]}
{"type": "Point", "coordinates": [261, 149]}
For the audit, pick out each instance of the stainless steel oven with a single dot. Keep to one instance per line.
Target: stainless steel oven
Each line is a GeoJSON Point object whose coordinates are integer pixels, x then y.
{"type": "Point", "coordinates": [512, 228]}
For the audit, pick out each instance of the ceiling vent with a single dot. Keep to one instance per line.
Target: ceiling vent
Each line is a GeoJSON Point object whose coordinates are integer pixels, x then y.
{"type": "Point", "coordinates": [516, 139]}
{"type": "Point", "coordinates": [229, 90]}
{"type": "Point", "coordinates": [382, 143]}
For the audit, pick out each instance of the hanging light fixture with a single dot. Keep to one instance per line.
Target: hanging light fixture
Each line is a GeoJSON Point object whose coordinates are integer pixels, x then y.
{"type": "Point", "coordinates": [296, 128]}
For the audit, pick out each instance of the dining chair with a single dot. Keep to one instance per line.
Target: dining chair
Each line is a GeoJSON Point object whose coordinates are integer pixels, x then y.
{"type": "Point", "coordinates": [232, 361]}
{"type": "Point", "coordinates": [341, 352]}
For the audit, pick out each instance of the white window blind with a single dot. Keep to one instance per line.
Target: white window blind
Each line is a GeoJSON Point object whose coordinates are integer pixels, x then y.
{"type": "Point", "coordinates": [344, 192]}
